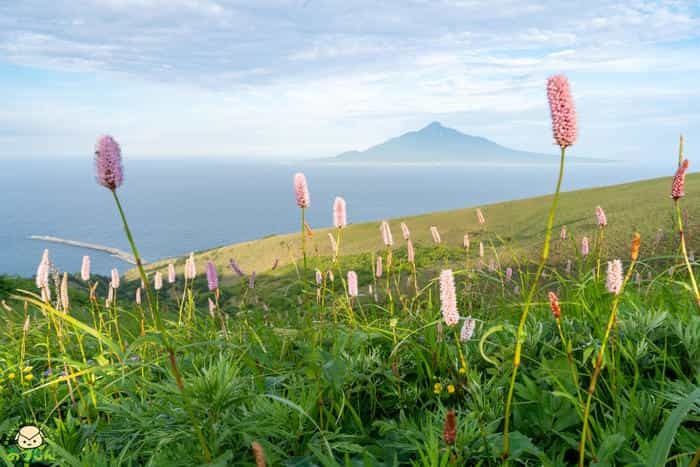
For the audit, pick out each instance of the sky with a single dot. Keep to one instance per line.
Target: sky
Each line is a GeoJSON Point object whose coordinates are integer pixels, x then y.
{"type": "Point", "coordinates": [309, 78]}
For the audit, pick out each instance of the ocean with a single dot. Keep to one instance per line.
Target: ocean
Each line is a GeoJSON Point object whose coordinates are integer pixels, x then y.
{"type": "Point", "coordinates": [178, 206]}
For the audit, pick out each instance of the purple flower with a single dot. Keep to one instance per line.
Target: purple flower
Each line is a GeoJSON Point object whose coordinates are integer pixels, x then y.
{"type": "Point", "coordinates": [108, 162]}
{"type": "Point", "coordinates": [235, 268]}
{"type": "Point", "coordinates": [212, 277]}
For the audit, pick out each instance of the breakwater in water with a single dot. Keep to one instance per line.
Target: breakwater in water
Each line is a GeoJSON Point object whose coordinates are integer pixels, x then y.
{"type": "Point", "coordinates": [115, 252]}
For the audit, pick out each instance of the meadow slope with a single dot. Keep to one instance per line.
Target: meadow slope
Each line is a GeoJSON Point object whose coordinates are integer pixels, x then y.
{"type": "Point", "coordinates": [513, 227]}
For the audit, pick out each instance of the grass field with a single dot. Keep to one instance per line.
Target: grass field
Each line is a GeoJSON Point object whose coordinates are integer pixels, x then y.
{"type": "Point", "coordinates": [314, 376]}
{"type": "Point", "coordinates": [534, 352]}
{"type": "Point", "coordinates": [512, 227]}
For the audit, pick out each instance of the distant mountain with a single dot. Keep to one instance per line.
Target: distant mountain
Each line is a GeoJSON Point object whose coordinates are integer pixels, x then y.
{"type": "Point", "coordinates": [437, 143]}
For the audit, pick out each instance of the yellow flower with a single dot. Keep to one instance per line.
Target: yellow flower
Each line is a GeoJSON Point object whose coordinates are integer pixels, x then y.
{"type": "Point", "coordinates": [437, 389]}
{"type": "Point", "coordinates": [27, 369]}
{"type": "Point", "coordinates": [393, 322]}
{"type": "Point", "coordinates": [29, 377]}
{"type": "Point", "coordinates": [462, 371]}
{"type": "Point", "coordinates": [451, 388]}
{"type": "Point", "coordinates": [11, 376]}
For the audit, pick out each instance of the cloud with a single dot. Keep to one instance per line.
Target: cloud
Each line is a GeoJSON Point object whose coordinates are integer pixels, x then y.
{"type": "Point", "coordinates": [324, 76]}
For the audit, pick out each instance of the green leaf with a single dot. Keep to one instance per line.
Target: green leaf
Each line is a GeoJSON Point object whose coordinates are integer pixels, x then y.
{"type": "Point", "coordinates": [664, 440]}
{"type": "Point", "coordinates": [610, 445]}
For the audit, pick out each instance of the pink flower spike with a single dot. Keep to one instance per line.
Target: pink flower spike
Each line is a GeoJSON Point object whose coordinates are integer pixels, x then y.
{"type": "Point", "coordinates": [85, 269]}
{"type": "Point", "coordinates": [319, 277]}
{"type": "Point", "coordinates": [334, 245]}
{"type": "Point", "coordinates": [480, 217]}
{"type": "Point", "coordinates": [584, 246]}
{"type": "Point", "coordinates": [190, 267]}
{"type": "Point", "coordinates": [679, 181]}
{"type": "Point", "coordinates": [448, 297]}
{"type": "Point", "coordinates": [115, 278]}
{"type": "Point", "coordinates": [108, 162]}
{"type": "Point", "coordinates": [340, 218]}
{"type": "Point", "coordinates": [42, 271]}
{"type": "Point", "coordinates": [301, 190]}
{"type": "Point", "coordinates": [212, 308]}
{"type": "Point", "coordinates": [352, 284]}
{"type": "Point", "coordinates": [171, 273]}
{"type": "Point", "coordinates": [387, 238]}
{"type": "Point", "coordinates": [613, 280]}
{"type": "Point", "coordinates": [509, 274]}
{"type": "Point", "coordinates": [157, 280]}
{"type": "Point", "coordinates": [562, 110]}
{"type": "Point", "coordinates": [600, 215]}
{"type": "Point", "coordinates": [436, 235]}
{"type": "Point", "coordinates": [212, 276]}
{"type": "Point", "coordinates": [65, 300]}
{"type": "Point", "coordinates": [405, 232]}
{"type": "Point", "coordinates": [467, 330]}
{"type": "Point", "coordinates": [409, 251]}
{"type": "Point", "coordinates": [481, 249]}
{"type": "Point", "coordinates": [138, 296]}
{"type": "Point", "coordinates": [378, 270]}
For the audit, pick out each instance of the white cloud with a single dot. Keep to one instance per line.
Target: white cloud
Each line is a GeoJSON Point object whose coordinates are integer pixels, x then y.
{"type": "Point", "coordinates": [222, 76]}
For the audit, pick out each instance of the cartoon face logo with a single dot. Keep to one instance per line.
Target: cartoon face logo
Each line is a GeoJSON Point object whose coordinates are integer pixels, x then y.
{"type": "Point", "coordinates": [29, 437]}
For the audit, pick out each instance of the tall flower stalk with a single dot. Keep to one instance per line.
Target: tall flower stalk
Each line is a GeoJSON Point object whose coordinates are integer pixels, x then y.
{"type": "Point", "coordinates": [563, 115]}
{"type": "Point", "coordinates": [677, 192]}
{"type": "Point", "coordinates": [602, 223]}
{"type": "Point", "coordinates": [615, 283]}
{"type": "Point", "coordinates": [301, 192]}
{"type": "Point", "coordinates": [340, 220]}
{"type": "Point", "coordinates": [110, 174]}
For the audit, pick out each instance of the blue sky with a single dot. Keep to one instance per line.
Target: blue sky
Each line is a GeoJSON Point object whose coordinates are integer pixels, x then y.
{"type": "Point", "coordinates": [308, 78]}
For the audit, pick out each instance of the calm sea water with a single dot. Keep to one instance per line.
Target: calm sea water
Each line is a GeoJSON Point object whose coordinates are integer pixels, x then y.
{"type": "Point", "coordinates": [182, 205]}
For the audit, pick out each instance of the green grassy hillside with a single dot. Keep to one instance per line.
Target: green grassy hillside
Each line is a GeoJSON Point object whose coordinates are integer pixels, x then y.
{"type": "Point", "coordinates": [513, 227]}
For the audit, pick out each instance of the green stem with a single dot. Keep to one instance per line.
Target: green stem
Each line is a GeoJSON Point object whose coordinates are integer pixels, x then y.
{"type": "Point", "coordinates": [528, 302]}
{"type": "Point", "coordinates": [599, 365]}
{"type": "Point", "coordinates": [161, 328]}
{"type": "Point", "coordinates": [685, 252]}
{"type": "Point", "coordinates": [303, 237]}
{"type": "Point", "coordinates": [570, 358]}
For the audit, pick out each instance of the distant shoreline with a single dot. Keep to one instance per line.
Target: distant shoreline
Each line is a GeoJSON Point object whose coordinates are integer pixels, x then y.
{"type": "Point", "coordinates": [115, 252]}
{"type": "Point", "coordinates": [581, 161]}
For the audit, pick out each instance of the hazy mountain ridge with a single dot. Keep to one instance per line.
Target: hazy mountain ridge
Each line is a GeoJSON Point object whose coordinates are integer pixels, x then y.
{"type": "Point", "coordinates": [437, 143]}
